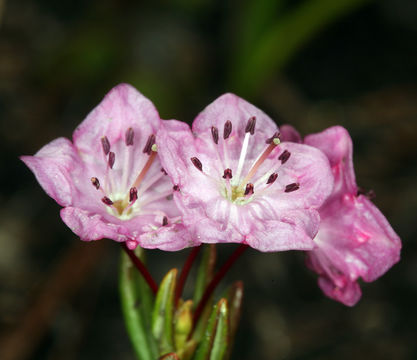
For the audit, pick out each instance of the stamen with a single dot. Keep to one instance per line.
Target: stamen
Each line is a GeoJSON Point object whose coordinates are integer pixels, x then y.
{"type": "Point", "coordinates": [197, 163]}
{"type": "Point", "coordinates": [164, 221]}
{"type": "Point", "coordinates": [215, 134]}
{"type": "Point", "coordinates": [133, 194]}
{"type": "Point", "coordinates": [275, 137]}
{"type": "Point", "coordinates": [95, 182]}
{"type": "Point", "coordinates": [260, 160]}
{"type": "Point", "coordinates": [227, 174]}
{"type": "Point", "coordinates": [148, 147]}
{"type": "Point", "coordinates": [112, 158]}
{"type": "Point", "coordinates": [284, 156]}
{"type": "Point", "coordinates": [105, 143]}
{"type": "Point", "coordinates": [163, 171]}
{"type": "Point", "coordinates": [176, 188]}
{"type": "Point", "coordinates": [249, 189]}
{"type": "Point", "coordinates": [107, 201]}
{"type": "Point", "coordinates": [292, 187]}
{"type": "Point", "coordinates": [250, 126]}
{"type": "Point", "coordinates": [148, 164]}
{"type": "Point", "coordinates": [227, 129]}
{"type": "Point", "coordinates": [272, 178]}
{"type": "Point", "coordinates": [130, 134]}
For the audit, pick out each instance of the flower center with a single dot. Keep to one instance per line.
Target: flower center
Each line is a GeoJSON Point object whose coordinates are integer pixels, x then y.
{"type": "Point", "coordinates": [119, 197]}
{"type": "Point", "coordinates": [238, 188]}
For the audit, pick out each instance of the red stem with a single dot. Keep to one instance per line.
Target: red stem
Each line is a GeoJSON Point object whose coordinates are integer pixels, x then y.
{"type": "Point", "coordinates": [142, 268]}
{"type": "Point", "coordinates": [215, 281]}
{"type": "Point", "coordinates": [185, 271]}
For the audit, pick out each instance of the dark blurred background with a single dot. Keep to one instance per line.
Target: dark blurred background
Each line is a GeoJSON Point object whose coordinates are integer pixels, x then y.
{"type": "Point", "coordinates": [310, 63]}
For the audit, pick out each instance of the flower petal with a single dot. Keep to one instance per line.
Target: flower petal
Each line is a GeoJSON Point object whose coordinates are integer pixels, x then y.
{"type": "Point", "coordinates": [89, 226]}
{"type": "Point", "coordinates": [238, 111]}
{"type": "Point", "coordinates": [289, 133]}
{"type": "Point", "coordinates": [308, 167]}
{"type": "Point", "coordinates": [123, 107]}
{"type": "Point", "coordinates": [336, 143]}
{"type": "Point", "coordinates": [168, 238]}
{"type": "Point", "coordinates": [53, 166]}
{"type": "Point", "coordinates": [293, 230]}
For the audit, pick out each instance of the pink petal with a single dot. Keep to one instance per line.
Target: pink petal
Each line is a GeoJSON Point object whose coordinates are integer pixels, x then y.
{"type": "Point", "coordinates": [53, 166]}
{"type": "Point", "coordinates": [293, 230]}
{"type": "Point", "coordinates": [89, 226]}
{"type": "Point", "coordinates": [237, 110]}
{"type": "Point", "coordinates": [310, 168]}
{"type": "Point", "coordinates": [336, 143]}
{"type": "Point", "coordinates": [123, 107]}
{"type": "Point", "coordinates": [289, 133]}
{"type": "Point", "coordinates": [358, 239]}
{"type": "Point", "coordinates": [168, 238]}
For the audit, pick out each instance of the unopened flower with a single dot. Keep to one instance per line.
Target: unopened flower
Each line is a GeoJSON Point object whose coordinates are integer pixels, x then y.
{"type": "Point", "coordinates": [355, 239]}
{"type": "Point", "coordinates": [236, 182]}
{"type": "Point", "coordinates": [109, 180]}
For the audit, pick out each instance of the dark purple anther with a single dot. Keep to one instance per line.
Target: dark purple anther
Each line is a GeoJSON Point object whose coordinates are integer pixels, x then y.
{"type": "Point", "coordinates": [284, 156]}
{"type": "Point", "coordinates": [292, 187]}
{"type": "Point", "coordinates": [148, 147]}
{"type": "Point", "coordinates": [250, 126]}
{"type": "Point", "coordinates": [164, 221]}
{"type": "Point", "coordinates": [227, 174]}
{"type": "Point", "coordinates": [105, 144]}
{"type": "Point", "coordinates": [197, 163]}
{"type": "Point", "coordinates": [95, 182]}
{"type": "Point", "coordinates": [130, 134]}
{"type": "Point", "coordinates": [176, 188]}
{"type": "Point", "coordinates": [163, 171]}
{"type": "Point", "coordinates": [112, 159]}
{"type": "Point", "coordinates": [215, 134]}
{"type": "Point", "coordinates": [275, 136]}
{"type": "Point", "coordinates": [107, 201]}
{"type": "Point", "coordinates": [249, 189]}
{"type": "Point", "coordinates": [227, 129]}
{"type": "Point", "coordinates": [369, 194]}
{"type": "Point", "coordinates": [272, 178]}
{"type": "Point", "coordinates": [133, 194]}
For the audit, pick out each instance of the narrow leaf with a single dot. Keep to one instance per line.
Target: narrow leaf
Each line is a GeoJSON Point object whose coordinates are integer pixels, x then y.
{"type": "Point", "coordinates": [170, 356]}
{"type": "Point", "coordinates": [163, 313]}
{"type": "Point", "coordinates": [205, 272]}
{"type": "Point", "coordinates": [234, 297]}
{"type": "Point", "coordinates": [214, 343]}
{"type": "Point", "coordinates": [137, 299]}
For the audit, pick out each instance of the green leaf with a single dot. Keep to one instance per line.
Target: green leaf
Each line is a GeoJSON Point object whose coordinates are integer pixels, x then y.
{"type": "Point", "coordinates": [234, 297]}
{"type": "Point", "coordinates": [170, 356]}
{"type": "Point", "coordinates": [163, 313]}
{"type": "Point", "coordinates": [205, 272]}
{"type": "Point", "coordinates": [137, 301]}
{"type": "Point", "coordinates": [215, 341]}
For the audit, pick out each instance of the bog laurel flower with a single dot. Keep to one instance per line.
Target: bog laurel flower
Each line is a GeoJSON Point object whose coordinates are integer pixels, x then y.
{"type": "Point", "coordinates": [109, 180]}
{"type": "Point", "coordinates": [236, 182]}
{"type": "Point", "coordinates": [355, 239]}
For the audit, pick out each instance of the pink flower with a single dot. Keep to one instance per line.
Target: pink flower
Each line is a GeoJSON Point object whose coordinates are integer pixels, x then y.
{"type": "Point", "coordinates": [109, 180]}
{"type": "Point", "coordinates": [355, 239]}
{"type": "Point", "coordinates": [235, 181]}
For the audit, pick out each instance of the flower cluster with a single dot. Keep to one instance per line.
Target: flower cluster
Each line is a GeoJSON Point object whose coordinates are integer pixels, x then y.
{"type": "Point", "coordinates": [233, 177]}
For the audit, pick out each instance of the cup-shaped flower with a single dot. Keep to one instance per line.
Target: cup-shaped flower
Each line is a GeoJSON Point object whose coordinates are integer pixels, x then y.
{"type": "Point", "coordinates": [236, 182]}
{"type": "Point", "coordinates": [355, 239]}
{"type": "Point", "coordinates": [109, 179]}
